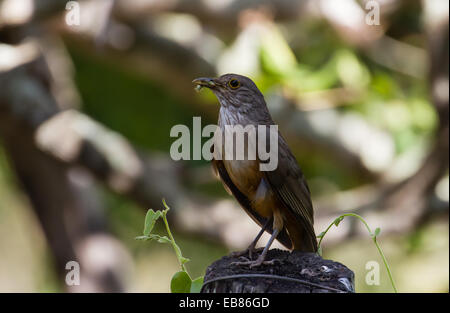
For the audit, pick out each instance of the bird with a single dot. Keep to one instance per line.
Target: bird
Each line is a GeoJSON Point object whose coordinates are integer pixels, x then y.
{"type": "Point", "coordinates": [278, 200]}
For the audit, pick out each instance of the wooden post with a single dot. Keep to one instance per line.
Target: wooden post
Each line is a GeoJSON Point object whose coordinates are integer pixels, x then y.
{"type": "Point", "coordinates": [296, 272]}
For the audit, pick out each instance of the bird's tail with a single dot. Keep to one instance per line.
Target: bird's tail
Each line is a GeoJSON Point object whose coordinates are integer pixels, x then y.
{"type": "Point", "coordinates": [302, 236]}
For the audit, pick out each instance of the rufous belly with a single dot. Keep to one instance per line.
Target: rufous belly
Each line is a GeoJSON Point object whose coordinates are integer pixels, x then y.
{"type": "Point", "coordinates": [247, 177]}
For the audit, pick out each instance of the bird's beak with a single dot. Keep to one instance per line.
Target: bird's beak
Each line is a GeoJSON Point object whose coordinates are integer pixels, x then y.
{"type": "Point", "coordinates": [205, 82]}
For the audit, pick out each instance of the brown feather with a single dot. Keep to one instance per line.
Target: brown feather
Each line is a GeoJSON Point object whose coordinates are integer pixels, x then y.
{"type": "Point", "coordinates": [283, 193]}
{"type": "Point", "coordinates": [246, 204]}
{"type": "Point", "coordinates": [290, 187]}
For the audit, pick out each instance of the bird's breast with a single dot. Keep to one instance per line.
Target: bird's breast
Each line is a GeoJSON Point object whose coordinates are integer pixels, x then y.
{"type": "Point", "coordinates": [245, 174]}
{"type": "Point", "coordinates": [247, 177]}
{"type": "Point", "coordinates": [244, 170]}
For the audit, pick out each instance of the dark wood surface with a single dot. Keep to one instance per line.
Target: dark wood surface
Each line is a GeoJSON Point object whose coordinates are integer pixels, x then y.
{"type": "Point", "coordinates": [293, 272]}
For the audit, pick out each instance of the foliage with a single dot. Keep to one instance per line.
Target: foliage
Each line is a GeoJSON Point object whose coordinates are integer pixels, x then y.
{"type": "Point", "coordinates": [181, 280]}
{"type": "Point", "coordinates": [373, 235]}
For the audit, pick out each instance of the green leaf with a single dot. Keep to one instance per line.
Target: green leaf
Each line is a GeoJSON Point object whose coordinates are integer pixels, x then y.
{"type": "Point", "coordinates": [196, 285]}
{"type": "Point", "coordinates": [376, 232]}
{"type": "Point", "coordinates": [163, 239]}
{"type": "Point", "coordinates": [150, 220]}
{"type": "Point", "coordinates": [338, 220]}
{"type": "Point", "coordinates": [352, 72]}
{"type": "Point", "coordinates": [321, 235]}
{"type": "Point", "coordinates": [158, 238]}
{"type": "Point", "coordinates": [184, 260]}
{"type": "Point", "coordinates": [276, 55]}
{"type": "Point", "coordinates": [142, 238]}
{"type": "Point", "coordinates": [180, 283]}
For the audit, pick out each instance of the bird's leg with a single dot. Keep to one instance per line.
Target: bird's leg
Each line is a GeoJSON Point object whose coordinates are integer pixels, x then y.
{"type": "Point", "coordinates": [277, 227]}
{"type": "Point", "coordinates": [251, 247]}
{"type": "Point", "coordinates": [261, 259]}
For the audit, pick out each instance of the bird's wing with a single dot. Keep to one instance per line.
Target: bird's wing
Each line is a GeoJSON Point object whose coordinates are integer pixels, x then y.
{"type": "Point", "coordinates": [221, 172]}
{"type": "Point", "coordinates": [289, 185]}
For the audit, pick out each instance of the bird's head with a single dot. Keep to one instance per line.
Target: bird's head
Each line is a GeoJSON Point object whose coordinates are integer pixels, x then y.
{"type": "Point", "coordinates": [235, 92]}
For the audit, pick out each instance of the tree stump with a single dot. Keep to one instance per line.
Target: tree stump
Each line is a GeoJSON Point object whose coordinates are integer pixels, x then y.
{"type": "Point", "coordinates": [293, 272]}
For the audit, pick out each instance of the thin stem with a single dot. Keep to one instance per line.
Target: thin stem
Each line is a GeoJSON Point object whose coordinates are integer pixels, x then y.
{"type": "Point", "coordinates": [374, 238]}
{"type": "Point", "coordinates": [385, 264]}
{"type": "Point", "coordinates": [172, 240]}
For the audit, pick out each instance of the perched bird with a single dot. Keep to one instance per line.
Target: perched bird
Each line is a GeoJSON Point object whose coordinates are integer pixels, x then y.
{"type": "Point", "coordinates": [278, 200]}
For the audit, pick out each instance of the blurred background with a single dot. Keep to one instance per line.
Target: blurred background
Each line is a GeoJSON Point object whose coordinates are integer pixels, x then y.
{"type": "Point", "coordinates": [89, 91]}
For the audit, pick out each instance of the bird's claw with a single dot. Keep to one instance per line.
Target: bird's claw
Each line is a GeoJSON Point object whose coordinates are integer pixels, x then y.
{"type": "Point", "coordinates": [251, 251]}
{"type": "Point", "coordinates": [243, 259]}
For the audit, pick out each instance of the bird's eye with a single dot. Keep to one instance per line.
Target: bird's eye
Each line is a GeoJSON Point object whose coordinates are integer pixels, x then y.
{"type": "Point", "coordinates": [234, 83]}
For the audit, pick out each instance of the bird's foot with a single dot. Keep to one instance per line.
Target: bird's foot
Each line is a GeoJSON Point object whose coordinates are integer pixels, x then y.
{"type": "Point", "coordinates": [256, 263]}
